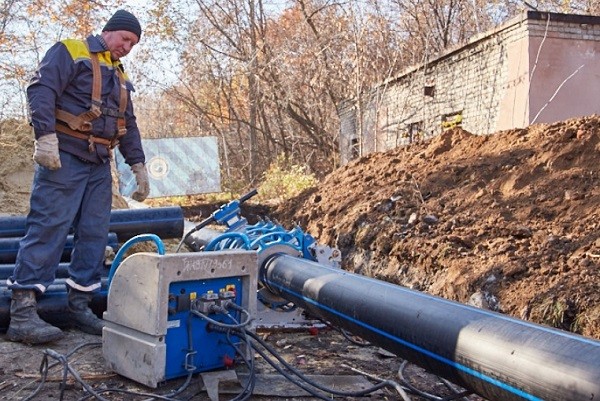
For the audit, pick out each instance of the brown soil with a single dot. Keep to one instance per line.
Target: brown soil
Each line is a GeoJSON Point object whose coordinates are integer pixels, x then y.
{"type": "Point", "coordinates": [508, 221]}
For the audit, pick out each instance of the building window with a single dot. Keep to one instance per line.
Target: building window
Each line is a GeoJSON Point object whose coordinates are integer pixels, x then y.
{"type": "Point", "coordinates": [415, 131]}
{"type": "Point", "coordinates": [354, 148]}
{"type": "Point", "coordinates": [429, 90]}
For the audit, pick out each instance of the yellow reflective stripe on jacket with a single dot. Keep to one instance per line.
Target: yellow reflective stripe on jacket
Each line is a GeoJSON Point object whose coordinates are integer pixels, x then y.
{"type": "Point", "coordinates": [79, 52]}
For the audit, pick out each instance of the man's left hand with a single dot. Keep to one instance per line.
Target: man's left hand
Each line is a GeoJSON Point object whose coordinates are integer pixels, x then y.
{"type": "Point", "coordinates": [141, 178]}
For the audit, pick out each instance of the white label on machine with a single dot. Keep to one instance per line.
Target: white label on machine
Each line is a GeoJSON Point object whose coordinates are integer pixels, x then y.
{"type": "Point", "coordinates": [173, 323]}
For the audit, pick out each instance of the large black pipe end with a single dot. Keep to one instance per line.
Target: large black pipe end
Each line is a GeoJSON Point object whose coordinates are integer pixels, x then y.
{"type": "Point", "coordinates": [166, 222]}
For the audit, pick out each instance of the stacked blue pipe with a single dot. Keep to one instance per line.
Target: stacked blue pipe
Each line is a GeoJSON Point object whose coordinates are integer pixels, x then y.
{"type": "Point", "coordinates": [6, 270]}
{"type": "Point", "coordinates": [165, 222]}
{"type": "Point", "coordinates": [9, 248]}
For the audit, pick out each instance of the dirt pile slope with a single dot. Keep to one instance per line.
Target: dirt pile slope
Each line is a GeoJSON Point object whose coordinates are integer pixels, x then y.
{"type": "Point", "coordinates": [509, 221]}
{"type": "Point", "coordinates": [16, 169]}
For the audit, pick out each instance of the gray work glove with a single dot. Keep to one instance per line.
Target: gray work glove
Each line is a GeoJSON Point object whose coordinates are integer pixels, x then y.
{"type": "Point", "coordinates": [46, 152]}
{"type": "Point", "coordinates": [141, 178]}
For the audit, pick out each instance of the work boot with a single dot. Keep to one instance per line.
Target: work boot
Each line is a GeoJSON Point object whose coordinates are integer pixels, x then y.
{"type": "Point", "coordinates": [25, 324]}
{"type": "Point", "coordinates": [80, 314]}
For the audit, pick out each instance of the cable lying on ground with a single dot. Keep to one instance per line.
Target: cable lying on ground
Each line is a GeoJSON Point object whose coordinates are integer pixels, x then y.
{"type": "Point", "coordinates": [236, 333]}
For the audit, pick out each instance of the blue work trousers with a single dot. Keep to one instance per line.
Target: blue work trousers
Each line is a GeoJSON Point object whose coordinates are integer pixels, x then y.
{"type": "Point", "coordinates": [78, 196]}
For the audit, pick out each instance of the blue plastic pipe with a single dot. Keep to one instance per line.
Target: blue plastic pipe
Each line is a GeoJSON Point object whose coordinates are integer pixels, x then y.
{"type": "Point", "coordinates": [6, 269]}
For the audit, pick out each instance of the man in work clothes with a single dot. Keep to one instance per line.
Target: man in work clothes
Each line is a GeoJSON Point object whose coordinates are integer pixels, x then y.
{"type": "Point", "coordinates": [81, 108]}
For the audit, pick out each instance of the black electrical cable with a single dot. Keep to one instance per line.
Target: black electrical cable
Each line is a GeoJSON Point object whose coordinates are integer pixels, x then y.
{"type": "Point", "coordinates": [68, 369]}
{"type": "Point", "coordinates": [201, 225]}
{"type": "Point", "coordinates": [45, 367]}
{"type": "Point", "coordinates": [232, 305]}
{"type": "Point", "coordinates": [311, 382]}
{"type": "Point", "coordinates": [135, 393]}
{"type": "Point", "coordinates": [426, 395]}
{"type": "Point", "coordinates": [411, 389]}
{"type": "Point", "coordinates": [251, 382]}
{"type": "Point", "coordinates": [43, 376]}
{"type": "Point", "coordinates": [167, 397]}
{"type": "Point", "coordinates": [246, 392]}
{"type": "Point", "coordinates": [221, 324]}
{"type": "Point", "coordinates": [128, 392]}
{"type": "Point", "coordinates": [300, 384]}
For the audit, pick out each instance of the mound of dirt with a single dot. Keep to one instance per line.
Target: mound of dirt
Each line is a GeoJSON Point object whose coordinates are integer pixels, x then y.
{"type": "Point", "coordinates": [508, 221]}
{"type": "Point", "coordinates": [16, 170]}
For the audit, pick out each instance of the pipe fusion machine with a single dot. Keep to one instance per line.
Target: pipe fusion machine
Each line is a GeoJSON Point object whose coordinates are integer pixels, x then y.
{"type": "Point", "coordinates": [171, 315]}
{"type": "Point", "coordinates": [159, 308]}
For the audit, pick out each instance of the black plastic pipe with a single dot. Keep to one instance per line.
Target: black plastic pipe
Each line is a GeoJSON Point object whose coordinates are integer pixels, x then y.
{"type": "Point", "coordinates": [52, 306]}
{"type": "Point", "coordinates": [495, 356]}
{"type": "Point", "coordinates": [9, 248]}
{"type": "Point", "coordinates": [166, 222]}
{"type": "Point", "coordinates": [7, 269]}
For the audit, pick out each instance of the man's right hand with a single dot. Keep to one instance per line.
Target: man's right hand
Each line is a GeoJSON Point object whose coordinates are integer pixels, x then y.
{"type": "Point", "coordinates": [46, 152]}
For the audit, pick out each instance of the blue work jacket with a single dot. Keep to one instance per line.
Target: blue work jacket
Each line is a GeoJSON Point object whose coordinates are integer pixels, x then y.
{"type": "Point", "coordinates": [64, 80]}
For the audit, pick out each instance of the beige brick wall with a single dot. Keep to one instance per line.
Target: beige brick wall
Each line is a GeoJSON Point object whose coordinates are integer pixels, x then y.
{"type": "Point", "coordinates": [499, 80]}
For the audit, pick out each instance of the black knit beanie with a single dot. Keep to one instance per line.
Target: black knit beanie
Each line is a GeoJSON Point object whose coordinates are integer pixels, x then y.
{"type": "Point", "coordinates": [124, 21]}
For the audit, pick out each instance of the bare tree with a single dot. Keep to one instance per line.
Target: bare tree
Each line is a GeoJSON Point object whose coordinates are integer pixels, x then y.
{"type": "Point", "coordinates": [27, 29]}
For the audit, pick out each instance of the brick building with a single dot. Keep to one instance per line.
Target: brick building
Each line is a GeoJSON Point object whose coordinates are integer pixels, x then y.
{"type": "Point", "coordinates": [536, 68]}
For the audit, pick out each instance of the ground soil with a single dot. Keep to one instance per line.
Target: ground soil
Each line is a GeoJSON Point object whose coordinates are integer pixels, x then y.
{"type": "Point", "coordinates": [508, 221]}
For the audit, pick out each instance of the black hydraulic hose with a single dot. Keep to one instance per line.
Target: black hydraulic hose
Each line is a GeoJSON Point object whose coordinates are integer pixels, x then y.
{"type": "Point", "coordinates": [496, 356]}
{"type": "Point", "coordinates": [318, 386]}
{"type": "Point", "coordinates": [215, 216]}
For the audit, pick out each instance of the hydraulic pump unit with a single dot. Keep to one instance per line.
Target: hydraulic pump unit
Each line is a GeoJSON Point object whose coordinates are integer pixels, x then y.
{"type": "Point", "coordinates": [163, 311]}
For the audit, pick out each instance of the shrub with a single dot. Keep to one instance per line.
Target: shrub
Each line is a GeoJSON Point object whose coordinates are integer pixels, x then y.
{"type": "Point", "coordinates": [283, 181]}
